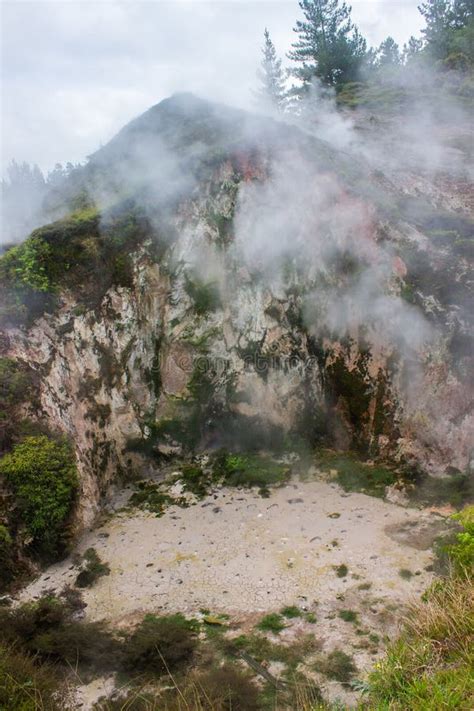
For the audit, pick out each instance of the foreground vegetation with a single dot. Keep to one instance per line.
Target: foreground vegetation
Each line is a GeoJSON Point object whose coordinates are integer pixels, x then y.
{"type": "Point", "coordinates": [430, 665]}
{"type": "Point", "coordinates": [176, 663]}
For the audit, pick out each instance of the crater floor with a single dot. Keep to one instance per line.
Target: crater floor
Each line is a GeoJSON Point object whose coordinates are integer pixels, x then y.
{"type": "Point", "coordinates": [239, 553]}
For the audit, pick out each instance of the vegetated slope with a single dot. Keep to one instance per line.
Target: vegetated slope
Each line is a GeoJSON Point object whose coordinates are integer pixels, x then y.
{"type": "Point", "coordinates": [227, 280]}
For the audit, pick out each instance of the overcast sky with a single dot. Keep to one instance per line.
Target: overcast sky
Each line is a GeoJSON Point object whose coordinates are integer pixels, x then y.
{"type": "Point", "coordinates": [73, 73]}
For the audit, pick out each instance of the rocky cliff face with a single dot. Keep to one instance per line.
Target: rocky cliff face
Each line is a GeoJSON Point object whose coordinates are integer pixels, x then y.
{"type": "Point", "coordinates": [274, 289]}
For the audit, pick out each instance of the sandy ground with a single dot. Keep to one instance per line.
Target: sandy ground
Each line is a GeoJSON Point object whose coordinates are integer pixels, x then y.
{"type": "Point", "coordinates": [244, 555]}
{"type": "Point", "coordinates": [240, 553]}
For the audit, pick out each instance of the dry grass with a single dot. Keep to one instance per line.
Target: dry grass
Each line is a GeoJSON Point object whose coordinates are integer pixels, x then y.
{"type": "Point", "coordinates": [430, 666]}
{"type": "Point", "coordinates": [28, 686]}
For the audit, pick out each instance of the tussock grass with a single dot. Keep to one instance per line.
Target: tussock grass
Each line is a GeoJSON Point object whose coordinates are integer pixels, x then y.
{"type": "Point", "coordinates": [430, 665]}
{"type": "Point", "coordinates": [27, 686]}
{"type": "Point", "coordinates": [273, 622]}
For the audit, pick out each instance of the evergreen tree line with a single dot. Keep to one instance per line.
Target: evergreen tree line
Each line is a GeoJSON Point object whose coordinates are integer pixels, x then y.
{"type": "Point", "coordinates": [24, 197]}
{"type": "Point", "coordinates": [330, 49]}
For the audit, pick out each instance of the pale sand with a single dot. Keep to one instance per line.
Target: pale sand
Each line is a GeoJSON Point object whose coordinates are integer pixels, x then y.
{"type": "Point", "coordinates": [244, 555]}
{"type": "Point", "coordinates": [240, 553]}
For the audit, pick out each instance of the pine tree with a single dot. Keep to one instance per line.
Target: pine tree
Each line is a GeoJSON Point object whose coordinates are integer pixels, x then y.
{"type": "Point", "coordinates": [411, 49]}
{"type": "Point", "coordinates": [271, 94]}
{"type": "Point", "coordinates": [329, 47]}
{"type": "Point", "coordinates": [22, 195]}
{"type": "Point", "coordinates": [388, 54]}
{"type": "Point", "coordinates": [437, 14]}
{"type": "Point", "coordinates": [462, 13]}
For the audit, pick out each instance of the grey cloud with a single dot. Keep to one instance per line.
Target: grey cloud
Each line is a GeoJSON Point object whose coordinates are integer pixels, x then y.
{"type": "Point", "coordinates": [74, 72]}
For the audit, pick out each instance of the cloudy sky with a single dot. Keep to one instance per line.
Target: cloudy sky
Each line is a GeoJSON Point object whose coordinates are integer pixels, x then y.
{"type": "Point", "coordinates": [73, 73]}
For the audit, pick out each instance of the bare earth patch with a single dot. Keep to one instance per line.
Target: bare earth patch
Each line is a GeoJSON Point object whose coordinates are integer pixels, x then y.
{"type": "Point", "coordinates": [237, 553]}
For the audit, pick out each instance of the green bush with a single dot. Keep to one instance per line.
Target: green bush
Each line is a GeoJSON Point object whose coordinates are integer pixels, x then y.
{"type": "Point", "coordinates": [46, 629]}
{"type": "Point", "coordinates": [161, 645]}
{"type": "Point", "coordinates": [461, 553]}
{"type": "Point", "coordinates": [93, 569]}
{"type": "Point", "coordinates": [150, 497]}
{"type": "Point", "coordinates": [42, 474]}
{"type": "Point", "coordinates": [249, 470]}
{"type": "Point", "coordinates": [15, 388]}
{"type": "Point", "coordinates": [28, 265]}
{"type": "Point", "coordinates": [355, 475]}
{"type": "Point", "coordinates": [205, 297]}
{"type": "Point", "coordinates": [15, 383]}
{"type": "Point", "coordinates": [225, 688]}
{"type": "Point", "coordinates": [348, 615]}
{"type": "Point", "coordinates": [80, 643]}
{"type": "Point", "coordinates": [86, 251]}
{"type": "Point", "coordinates": [195, 480]}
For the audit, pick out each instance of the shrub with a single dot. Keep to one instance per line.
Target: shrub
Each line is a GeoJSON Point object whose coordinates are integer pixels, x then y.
{"type": "Point", "coordinates": [249, 470]}
{"type": "Point", "coordinates": [15, 383]}
{"type": "Point", "coordinates": [46, 628]}
{"type": "Point", "coordinates": [15, 388]}
{"type": "Point", "coordinates": [93, 569]}
{"type": "Point", "coordinates": [85, 251]}
{"type": "Point", "coordinates": [7, 562]}
{"type": "Point", "coordinates": [195, 480]}
{"type": "Point", "coordinates": [355, 475]}
{"type": "Point", "coordinates": [271, 623]}
{"type": "Point", "coordinates": [161, 644]}
{"type": "Point", "coordinates": [405, 573]}
{"type": "Point", "coordinates": [338, 665]}
{"type": "Point", "coordinates": [348, 615]}
{"type": "Point", "coordinates": [341, 570]}
{"type": "Point", "coordinates": [42, 474]}
{"type": "Point", "coordinates": [205, 297]}
{"type": "Point", "coordinates": [225, 688]}
{"type": "Point", "coordinates": [150, 497]}
{"type": "Point", "coordinates": [25, 686]}
{"type": "Point", "coordinates": [461, 553]}
{"type": "Point", "coordinates": [83, 643]}
{"type": "Point", "coordinates": [21, 625]}
{"type": "Point", "coordinates": [28, 264]}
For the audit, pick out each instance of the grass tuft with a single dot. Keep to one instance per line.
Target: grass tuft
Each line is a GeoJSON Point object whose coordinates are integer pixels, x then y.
{"type": "Point", "coordinates": [271, 623]}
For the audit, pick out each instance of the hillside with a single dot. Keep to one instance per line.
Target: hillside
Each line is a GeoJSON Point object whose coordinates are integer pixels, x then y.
{"type": "Point", "coordinates": [228, 301]}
